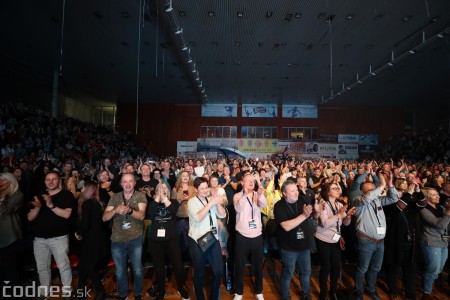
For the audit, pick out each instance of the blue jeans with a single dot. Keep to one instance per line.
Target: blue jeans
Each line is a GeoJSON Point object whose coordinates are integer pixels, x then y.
{"type": "Point", "coordinates": [120, 253]}
{"type": "Point", "coordinates": [435, 258]}
{"type": "Point", "coordinates": [290, 259]}
{"type": "Point", "coordinates": [370, 258]}
{"type": "Point", "coordinates": [213, 257]}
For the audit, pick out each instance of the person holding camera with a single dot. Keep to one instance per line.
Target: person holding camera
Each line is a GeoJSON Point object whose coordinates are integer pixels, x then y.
{"type": "Point", "coordinates": [435, 239]}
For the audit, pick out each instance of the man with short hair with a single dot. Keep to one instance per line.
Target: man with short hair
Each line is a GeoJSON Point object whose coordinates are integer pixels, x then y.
{"type": "Point", "coordinates": [295, 236]}
{"type": "Point", "coordinates": [127, 210]}
{"type": "Point", "coordinates": [50, 224]}
{"type": "Point", "coordinates": [371, 230]}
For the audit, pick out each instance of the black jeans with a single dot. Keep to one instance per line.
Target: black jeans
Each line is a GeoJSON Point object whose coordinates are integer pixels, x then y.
{"type": "Point", "coordinates": [244, 247]}
{"type": "Point", "coordinates": [330, 264]}
{"type": "Point", "coordinates": [408, 268]}
{"type": "Point", "coordinates": [171, 249]}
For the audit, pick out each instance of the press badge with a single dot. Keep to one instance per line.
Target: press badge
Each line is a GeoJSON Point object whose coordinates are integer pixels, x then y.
{"type": "Point", "coordinates": [300, 234]}
{"type": "Point", "coordinates": [161, 233]}
{"type": "Point", "coordinates": [381, 230]}
{"type": "Point", "coordinates": [252, 224]}
{"type": "Point", "coordinates": [336, 237]}
{"type": "Point", "coordinates": [126, 224]}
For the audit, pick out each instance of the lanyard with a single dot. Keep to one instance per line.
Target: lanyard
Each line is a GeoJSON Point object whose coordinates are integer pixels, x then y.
{"type": "Point", "coordinates": [294, 212]}
{"type": "Point", "coordinates": [127, 204]}
{"type": "Point", "coordinates": [376, 213]}
{"type": "Point", "coordinates": [251, 204]}
{"type": "Point", "coordinates": [334, 210]}
{"type": "Point", "coordinates": [209, 211]}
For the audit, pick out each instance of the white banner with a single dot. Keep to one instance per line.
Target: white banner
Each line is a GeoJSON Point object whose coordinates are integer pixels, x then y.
{"type": "Point", "coordinates": [348, 138]}
{"type": "Point", "coordinates": [259, 110]}
{"type": "Point", "coordinates": [219, 110]}
{"type": "Point", "coordinates": [300, 111]}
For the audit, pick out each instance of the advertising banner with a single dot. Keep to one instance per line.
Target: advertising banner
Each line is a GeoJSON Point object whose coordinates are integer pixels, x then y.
{"type": "Point", "coordinates": [348, 138]}
{"type": "Point", "coordinates": [368, 139]}
{"type": "Point", "coordinates": [258, 145]}
{"type": "Point", "coordinates": [259, 110]}
{"type": "Point", "coordinates": [300, 111]}
{"type": "Point", "coordinates": [219, 110]}
{"type": "Point", "coordinates": [186, 148]}
{"type": "Point", "coordinates": [328, 151]}
{"type": "Point", "coordinates": [347, 151]}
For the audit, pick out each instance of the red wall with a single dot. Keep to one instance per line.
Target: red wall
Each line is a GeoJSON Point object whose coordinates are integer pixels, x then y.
{"type": "Point", "coordinates": [160, 126]}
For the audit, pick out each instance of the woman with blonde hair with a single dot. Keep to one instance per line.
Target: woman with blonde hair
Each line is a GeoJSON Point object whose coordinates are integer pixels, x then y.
{"type": "Point", "coordinates": [11, 199]}
{"type": "Point", "coordinates": [435, 238]}
{"type": "Point", "coordinates": [91, 232]}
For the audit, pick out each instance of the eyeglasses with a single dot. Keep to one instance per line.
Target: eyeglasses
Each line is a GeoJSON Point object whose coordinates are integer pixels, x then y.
{"type": "Point", "coordinates": [334, 188]}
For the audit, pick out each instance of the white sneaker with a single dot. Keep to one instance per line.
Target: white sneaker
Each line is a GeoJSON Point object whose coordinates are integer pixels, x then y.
{"type": "Point", "coordinates": [237, 297]}
{"type": "Point", "coordinates": [259, 297]}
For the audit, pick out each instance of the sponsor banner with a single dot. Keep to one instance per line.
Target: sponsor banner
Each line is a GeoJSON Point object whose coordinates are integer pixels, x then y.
{"type": "Point", "coordinates": [219, 110]}
{"type": "Point", "coordinates": [300, 111]}
{"type": "Point", "coordinates": [258, 145]}
{"type": "Point", "coordinates": [232, 143]}
{"type": "Point", "coordinates": [299, 149]}
{"type": "Point", "coordinates": [259, 110]}
{"type": "Point", "coordinates": [368, 139]}
{"type": "Point", "coordinates": [186, 148]}
{"type": "Point", "coordinates": [328, 150]}
{"type": "Point", "coordinates": [348, 138]}
{"type": "Point", "coordinates": [346, 151]}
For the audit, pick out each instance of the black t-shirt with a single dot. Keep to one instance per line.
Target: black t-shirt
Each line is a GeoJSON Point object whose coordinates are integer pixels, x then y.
{"type": "Point", "coordinates": [47, 224]}
{"type": "Point", "coordinates": [284, 211]}
{"type": "Point", "coordinates": [163, 218]}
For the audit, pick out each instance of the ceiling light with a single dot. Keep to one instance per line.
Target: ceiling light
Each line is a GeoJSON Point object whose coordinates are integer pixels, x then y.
{"type": "Point", "coordinates": [189, 60]}
{"type": "Point", "coordinates": [184, 48]}
{"type": "Point", "coordinates": [357, 78]}
{"type": "Point", "coordinates": [200, 84]}
{"type": "Point", "coordinates": [435, 19]}
{"type": "Point", "coordinates": [370, 71]}
{"type": "Point", "coordinates": [390, 64]}
{"type": "Point", "coordinates": [240, 14]}
{"type": "Point", "coordinates": [269, 14]}
{"type": "Point", "coordinates": [169, 8]}
{"type": "Point", "coordinates": [378, 17]}
{"type": "Point", "coordinates": [211, 13]}
{"type": "Point", "coordinates": [288, 17]}
{"type": "Point", "coordinates": [321, 15]}
{"type": "Point", "coordinates": [298, 15]}
{"type": "Point", "coordinates": [349, 17]}
{"type": "Point", "coordinates": [412, 51]}
{"type": "Point", "coordinates": [238, 43]}
{"type": "Point", "coordinates": [440, 35]}
{"type": "Point", "coordinates": [406, 18]}
{"type": "Point", "coordinates": [179, 30]}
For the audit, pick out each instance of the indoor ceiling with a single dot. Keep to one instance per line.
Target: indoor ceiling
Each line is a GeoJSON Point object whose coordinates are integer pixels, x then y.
{"type": "Point", "coordinates": [244, 51]}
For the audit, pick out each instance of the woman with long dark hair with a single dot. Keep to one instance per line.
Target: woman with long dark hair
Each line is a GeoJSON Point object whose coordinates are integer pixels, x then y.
{"type": "Point", "coordinates": [328, 236]}
{"type": "Point", "coordinates": [93, 246]}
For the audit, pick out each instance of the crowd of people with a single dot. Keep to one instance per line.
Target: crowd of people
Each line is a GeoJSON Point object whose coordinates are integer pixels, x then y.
{"type": "Point", "coordinates": [69, 187]}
